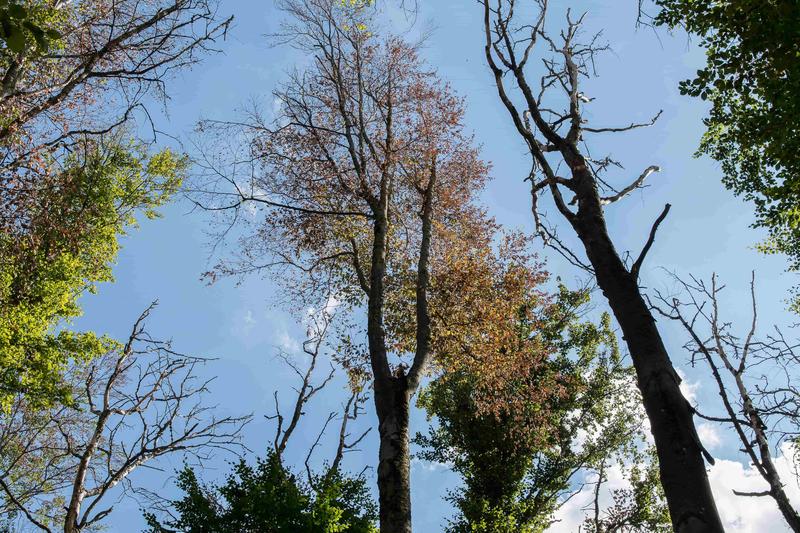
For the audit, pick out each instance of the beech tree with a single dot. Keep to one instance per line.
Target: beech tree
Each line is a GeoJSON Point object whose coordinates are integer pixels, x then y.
{"type": "Point", "coordinates": [570, 416]}
{"type": "Point", "coordinates": [111, 57]}
{"type": "Point", "coordinates": [514, 36]}
{"type": "Point", "coordinates": [754, 376]}
{"type": "Point", "coordinates": [360, 181]}
{"type": "Point", "coordinates": [72, 75]}
{"type": "Point", "coordinates": [66, 247]}
{"type": "Point", "coordinates": [26, 26]}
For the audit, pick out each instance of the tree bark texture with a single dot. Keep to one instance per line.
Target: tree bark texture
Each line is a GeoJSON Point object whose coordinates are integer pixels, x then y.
{"type": "Point", "coordinates": [394, 477]}
{"type": "Point", "coordinates": [680, 454]}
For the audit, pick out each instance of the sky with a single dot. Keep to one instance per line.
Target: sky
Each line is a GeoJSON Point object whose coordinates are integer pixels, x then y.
{"type": "Point", "coordinates": [243, 325]}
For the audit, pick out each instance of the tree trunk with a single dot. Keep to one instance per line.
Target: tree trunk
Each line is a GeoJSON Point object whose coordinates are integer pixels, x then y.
{"type": "Point", "coordinates": [392, 400]}
{"type": "Point", "coordinates": [788, 512]}
{"type": "Point", "coordinates": [768, 470]}
{"type": "Point", "coordinates": [680, 454]}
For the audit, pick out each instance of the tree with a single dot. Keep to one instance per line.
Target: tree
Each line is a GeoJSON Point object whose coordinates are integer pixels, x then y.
{"type": "Point", "coordinates": [555, 135]}
{"type": "Point", "coordinates": [518, 470]}
{"type": "Point", "coordinates": [268, 497]}
{"type": "Point", "coordinates": [65, 246]}
{"type": "Point", "coordinates": [113, 55]}
{"type": "Point", "coordinates": [745, 369]}
{"type": "Point", "coordinates": [640, 509]}
{"type": "Point", "coordinates": [137, 402]}
{"type": "Point", "coordinates": [360, 185]}
{"type": "Point", "coordinates": [318, 329]}
{"type": "Point", "coordinates": [752, 80]}
{"type": "Point", "coordinates": [61, 114]}
{"type": "Point", "coordinates": [24, 26]}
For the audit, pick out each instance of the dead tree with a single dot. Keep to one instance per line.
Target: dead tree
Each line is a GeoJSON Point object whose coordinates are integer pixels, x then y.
{"type": "Point", "coordinates": [555, 135]}
{"type": "Point", "coordinates": [113, 53]}
{"type": "Point", "coordinates": [135, 404]}
{"type": "Point", "coordinates": [744, 369]}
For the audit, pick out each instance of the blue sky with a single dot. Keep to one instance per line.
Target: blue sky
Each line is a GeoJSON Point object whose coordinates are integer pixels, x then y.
{"type": "Point", "coordinates": [242, 325]}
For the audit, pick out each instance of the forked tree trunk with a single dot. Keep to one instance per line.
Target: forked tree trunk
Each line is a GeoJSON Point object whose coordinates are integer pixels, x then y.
{"type": "Point", "coordinates": [392, 400]}
{"type": "Point", "coordinates": [680, 454]}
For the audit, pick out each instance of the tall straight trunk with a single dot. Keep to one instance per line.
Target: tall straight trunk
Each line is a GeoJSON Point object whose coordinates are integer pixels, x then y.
{"type": "Point", "coordinates": [680, 454]}
{"type": "Point", "coordinates": [391, 394]}
{"type": "Point", "coordinates": [392, 400]}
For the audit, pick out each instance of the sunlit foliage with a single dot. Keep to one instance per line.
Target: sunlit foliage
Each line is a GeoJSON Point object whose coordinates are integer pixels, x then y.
{"type": "Point", "coordinates": [752, 81]}
{"type": "Point", "coordinates": [62, 246]}
{"type": "Point", "coordinates": [267, 497]}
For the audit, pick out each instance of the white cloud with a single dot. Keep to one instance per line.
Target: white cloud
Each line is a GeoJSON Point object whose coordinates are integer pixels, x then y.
{"type": "Point", "coordinates": [243, 323]}
{"type": "Point", "coordinates": [689, 388]}
{"type": "Point", "coordinates": [329, 308]}
{"type": "Point", "coordinates": [287, 343]}
{"type": "Point", "coordinates": [430, 466]}
{"type": "Point", "coordinates": [709, 435]}
{"type": "Point", "coordinates": [739, 514]}
{"type": "Point", "coordinates": [751, 514]}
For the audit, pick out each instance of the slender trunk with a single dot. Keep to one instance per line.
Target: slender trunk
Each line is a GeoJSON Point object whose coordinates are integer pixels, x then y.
{"type": "Point", "coordinates": [768, 470]}
{"type": "Point", "coordinates": [78, 490]}
{"type": "Point", "coordinates": [777, 492]}
{"type": "Point", "coordinates": [391, 393]}
{"type": "Point", "coordinates": [680, 454]}
{"type": "Point", "coordinates": [392, 400]}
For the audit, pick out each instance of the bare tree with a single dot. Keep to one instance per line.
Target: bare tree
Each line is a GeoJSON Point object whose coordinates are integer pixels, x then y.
{"type": "Point", "coordinates": [121, 49]}
{"type": "Point", "coordinates": [554, 134]}
{"type": "Point", "coordinates": [133, 405]}
{"type": "Point", "coordinates": [745, 369]}
{"type": "Point", "coordinates": [312, 348]}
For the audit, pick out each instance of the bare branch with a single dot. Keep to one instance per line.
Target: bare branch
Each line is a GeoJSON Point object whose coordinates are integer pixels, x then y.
{"type": "Point", "coordinates": [631, 126]}
{"type": "Point", "coordinates": [637, 265]}
{"type": "Point", "coordinates": [147, 403]}
{"type": "Point", "coordinates": [637, 183]}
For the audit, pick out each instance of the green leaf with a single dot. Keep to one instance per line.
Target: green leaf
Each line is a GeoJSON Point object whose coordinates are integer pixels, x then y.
{"type": "Point", "coordinates": [17, 11]}
{"type": "Point", "coordinates": [16, 39]}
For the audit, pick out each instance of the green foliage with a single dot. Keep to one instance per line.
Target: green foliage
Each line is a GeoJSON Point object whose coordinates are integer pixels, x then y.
{"type": "Point", "coordinates": [639, 509]}
{"type": "Point", "coordinates": [752, 80]}
{"type": "Point", "coordinates": [513, 479]}
{"type": "Point", "coordinates": [25, 25]}
{"type": "Point", "coordinates": [66, 245]}
{"type": "Point", "coordinates": [269, 498]}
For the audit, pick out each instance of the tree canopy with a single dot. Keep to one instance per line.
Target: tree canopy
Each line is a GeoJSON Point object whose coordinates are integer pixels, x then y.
{"type": "Point", "coordinates": [752, 81]}
{"type": "Point", "coordinates": [563, 418]}
{"type": "Point", "coordinates": [360, 198]}
{"type": "Point", "coordinates": [267, 497]}
{"type": "Point", "coordinates": [64, 245]}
